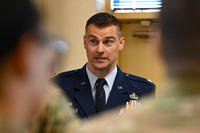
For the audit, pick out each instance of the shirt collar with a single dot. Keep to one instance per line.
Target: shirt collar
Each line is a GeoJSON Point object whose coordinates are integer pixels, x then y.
{"type": "Point", "coordinates": [91, 76]}
{"type": "Point", "coordinates": [110, 78]}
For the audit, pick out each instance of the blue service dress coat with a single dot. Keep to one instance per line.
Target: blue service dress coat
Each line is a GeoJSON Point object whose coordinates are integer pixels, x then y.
{"type": "Point", "coordinates": [77, 87]}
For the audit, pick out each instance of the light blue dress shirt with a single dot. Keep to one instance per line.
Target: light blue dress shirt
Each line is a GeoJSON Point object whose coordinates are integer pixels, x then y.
{"type": "Point", "coordinates": [110, 78]}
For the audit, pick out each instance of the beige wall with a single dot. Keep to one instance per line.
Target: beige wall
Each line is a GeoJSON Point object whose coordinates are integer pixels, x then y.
{"type": "Point", "coordinates": [66, 19]}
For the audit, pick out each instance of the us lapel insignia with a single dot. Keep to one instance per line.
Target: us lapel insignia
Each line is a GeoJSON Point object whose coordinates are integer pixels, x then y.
{"type": "Point", "coordinates": [83, 83]}
{"type": "Point", "coordinates": [133, 96]}
{"type": "Point", "coordinates": [120, 87]}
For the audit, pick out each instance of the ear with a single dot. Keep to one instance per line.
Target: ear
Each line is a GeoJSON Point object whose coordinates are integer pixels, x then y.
{"type": "Point", "coordinates": [122, 43]}
{"type": "Point", "coordinates": [21, 55]}
{"type": "Point", "coordinates": [84, 40]}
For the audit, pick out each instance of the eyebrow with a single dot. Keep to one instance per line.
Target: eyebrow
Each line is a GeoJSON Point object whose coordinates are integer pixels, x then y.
{"type": "Point", "coordinates": [108, 37]}
{"type": "Point", "coordinates": [92, 36]}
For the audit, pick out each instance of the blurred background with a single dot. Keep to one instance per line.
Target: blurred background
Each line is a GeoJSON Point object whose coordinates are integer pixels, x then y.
{"type": "Point", "coordinates": [138, 18]}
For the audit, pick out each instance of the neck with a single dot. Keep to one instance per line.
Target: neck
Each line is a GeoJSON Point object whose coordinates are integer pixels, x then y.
{"type": "Point", "coordinates": [101, 73]}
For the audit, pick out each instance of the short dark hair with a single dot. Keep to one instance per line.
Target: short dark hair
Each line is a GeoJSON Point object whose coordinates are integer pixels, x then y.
{"type": "Point", "coordinates": [180, 29]}
{"type": "Point", "coordinates": [103, 20]}
{"type": "Point", "coordinates": [16, 18]}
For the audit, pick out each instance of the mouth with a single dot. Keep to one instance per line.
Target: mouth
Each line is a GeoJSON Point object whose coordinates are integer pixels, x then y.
{"type": "Point", "coordinates": [100, 59]}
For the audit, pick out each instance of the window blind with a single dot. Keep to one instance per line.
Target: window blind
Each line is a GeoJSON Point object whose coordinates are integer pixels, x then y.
{"type": "Point", "coordinates": [136, 5]}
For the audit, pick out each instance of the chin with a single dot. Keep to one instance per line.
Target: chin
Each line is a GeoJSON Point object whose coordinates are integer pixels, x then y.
{"type": "Point", "coordinates": [101, 66]}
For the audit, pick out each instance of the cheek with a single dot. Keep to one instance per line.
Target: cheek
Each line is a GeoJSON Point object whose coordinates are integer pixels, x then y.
{"type": "Point", "coordinates": [46, 62]}
{"type": "Point", "coordinates": [41, 65]}
{"type": "Point", "coordinates": [113, 53]}
{"type": "Point", "coordinates": [90, 51]}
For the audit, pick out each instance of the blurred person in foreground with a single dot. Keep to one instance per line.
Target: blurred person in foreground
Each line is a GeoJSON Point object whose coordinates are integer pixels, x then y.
{"type": "Point", "coordinates": [28, 102]}
{"type": "Point", "coordinates": [178, 108]}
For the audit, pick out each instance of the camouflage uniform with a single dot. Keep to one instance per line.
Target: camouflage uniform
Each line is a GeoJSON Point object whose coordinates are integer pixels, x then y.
{"type": "Point", "coordinates": [176, 110]}
{"type": "Point", "coordinates": [57, 116]}
{"type": "Point", "coordinates": [54, 115]}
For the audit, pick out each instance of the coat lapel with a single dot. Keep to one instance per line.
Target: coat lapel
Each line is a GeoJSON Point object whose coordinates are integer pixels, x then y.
{"type": "Point", "coordinates": [119, 94]}
{"type": "Point", "coordinates": [84, 94]}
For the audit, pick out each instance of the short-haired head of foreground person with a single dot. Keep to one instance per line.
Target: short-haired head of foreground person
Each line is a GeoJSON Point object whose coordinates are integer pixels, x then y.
{"type": "Point", "coordinates": [25, 67]}
{"type": "Point", "coordinates": [177, 110]}
{"type": "Point", "coordinates": [100, 85]}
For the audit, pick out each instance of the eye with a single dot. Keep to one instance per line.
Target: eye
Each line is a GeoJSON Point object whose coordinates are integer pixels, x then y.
{"type": "Point", "coordinates": [109, 42]}
{"type": "Point", "coordinates": [94, 41]}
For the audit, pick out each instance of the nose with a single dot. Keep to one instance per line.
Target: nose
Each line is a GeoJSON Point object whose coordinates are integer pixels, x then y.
{"type": "Point", "coordinates": [100, 48]}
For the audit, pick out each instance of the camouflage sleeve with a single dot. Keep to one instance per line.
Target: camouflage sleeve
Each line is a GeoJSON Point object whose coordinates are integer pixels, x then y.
{"type": "Point", "coordinates": [57, 117]}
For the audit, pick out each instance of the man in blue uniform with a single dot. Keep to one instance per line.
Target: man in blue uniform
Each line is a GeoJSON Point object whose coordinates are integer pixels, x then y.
{"type": "Point", "coordinates": [101, 85]}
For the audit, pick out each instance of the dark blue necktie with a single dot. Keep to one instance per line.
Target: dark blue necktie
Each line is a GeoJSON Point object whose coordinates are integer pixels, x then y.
{"type": "Point", "coordinates": [100, 97]}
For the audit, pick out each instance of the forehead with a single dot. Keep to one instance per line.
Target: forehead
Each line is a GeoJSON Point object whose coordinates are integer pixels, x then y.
{"type": "Point", "coordinates": [102, 32]}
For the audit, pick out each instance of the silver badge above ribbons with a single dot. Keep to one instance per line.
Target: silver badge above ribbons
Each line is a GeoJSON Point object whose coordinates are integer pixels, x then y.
{"type": "Point", "coordinates": [133, 96]}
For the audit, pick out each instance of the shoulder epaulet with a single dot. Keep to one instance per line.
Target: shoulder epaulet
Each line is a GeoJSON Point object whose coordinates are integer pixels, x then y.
{"type": "Point", "coordinates": [67, 74]}
{"type": "Point", "coordinates": [137, 78]}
